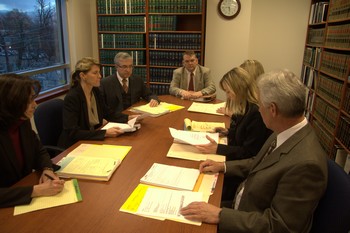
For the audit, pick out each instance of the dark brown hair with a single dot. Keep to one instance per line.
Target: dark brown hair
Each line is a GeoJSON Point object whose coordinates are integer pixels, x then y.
{"type": "Point", "coordinates": [15, 95]}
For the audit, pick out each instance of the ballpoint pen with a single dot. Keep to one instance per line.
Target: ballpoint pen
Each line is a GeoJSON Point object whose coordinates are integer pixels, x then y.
{"type": "Point", "coordinates": [50, 177]}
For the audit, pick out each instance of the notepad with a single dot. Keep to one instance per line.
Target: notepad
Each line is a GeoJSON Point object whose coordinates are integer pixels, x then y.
{"type": "Point", "coordinates": [161, 109]}
{"type": "Point", "coordinates": [206, 108]}
{"type": "Point", "coordinates": [92, 161]}
{"type": "Point", "coordinates": [168, 176]}
{"type": "Point", "coordinates": [201, 126]}
{"type": "Point", "coordinates": [189, 152]}
{"type": "Point", "coordinates": [70, 194]}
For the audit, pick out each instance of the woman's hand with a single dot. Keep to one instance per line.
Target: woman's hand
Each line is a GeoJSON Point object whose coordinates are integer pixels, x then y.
{"type": "Point", "coordinates": [209, 148]}
{"type": "Point", "coordinates": [113, 132]}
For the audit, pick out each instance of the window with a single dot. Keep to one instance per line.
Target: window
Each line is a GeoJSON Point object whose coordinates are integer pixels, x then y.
{"type": "Point", "coordinates": [33, 41]}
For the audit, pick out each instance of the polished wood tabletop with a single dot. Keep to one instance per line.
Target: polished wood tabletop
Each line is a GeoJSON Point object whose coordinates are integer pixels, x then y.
{"type": "Point", "coordinates": [99, 210]}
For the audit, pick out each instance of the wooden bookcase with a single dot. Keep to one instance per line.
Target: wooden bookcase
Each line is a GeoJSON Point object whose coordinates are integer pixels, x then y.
{"type": "Point", "coordinates": [154, 32]}
{"type": "Point", "coordinates": [326, 73]}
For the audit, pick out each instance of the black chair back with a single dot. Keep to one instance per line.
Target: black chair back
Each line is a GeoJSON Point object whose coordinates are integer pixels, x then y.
{"type": "Point", "coordinates": [332, 214]}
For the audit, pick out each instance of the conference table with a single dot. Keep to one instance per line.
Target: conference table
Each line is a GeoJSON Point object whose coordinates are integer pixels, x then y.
{"type": "Point", "coordinates": [99, 209]}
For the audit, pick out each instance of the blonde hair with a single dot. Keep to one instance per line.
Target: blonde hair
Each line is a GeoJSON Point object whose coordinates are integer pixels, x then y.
{"type": "Point", "coordinates": [83, 65]}
{"type": "Point", "coordinates": [241, 83]}
{"type": "Point", "coordinates": [253, 67]}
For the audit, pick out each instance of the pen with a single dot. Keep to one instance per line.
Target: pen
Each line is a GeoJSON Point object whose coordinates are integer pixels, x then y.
{"type": "Point", "coordinates": [50, 177]}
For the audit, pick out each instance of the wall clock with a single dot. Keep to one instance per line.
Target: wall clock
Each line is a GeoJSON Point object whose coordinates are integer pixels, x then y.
{"type": "Point", "coordinates": [229, 9]}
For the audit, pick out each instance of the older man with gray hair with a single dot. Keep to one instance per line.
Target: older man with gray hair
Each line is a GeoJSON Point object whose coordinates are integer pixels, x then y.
{"type": "Point", "coordinates": [282, 185]}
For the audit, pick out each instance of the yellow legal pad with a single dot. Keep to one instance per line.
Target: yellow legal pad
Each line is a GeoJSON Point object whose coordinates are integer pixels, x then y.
{"type": "Point", "coordinates": [70, 194]}
{"type": "Point", "coordinates": [161, 109]}
{"type": "Point", "coordinates": [92, 161]}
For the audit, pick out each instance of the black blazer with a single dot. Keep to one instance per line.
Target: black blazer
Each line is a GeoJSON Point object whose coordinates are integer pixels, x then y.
{"type": "Point", "coordinates": [246, 135]}
{"type": "Point", "coordinates": [35, 157]}
{"type": "Point", "coordinates": [76, 119]}
{"type": "Point", "coordinates": [111, 91]}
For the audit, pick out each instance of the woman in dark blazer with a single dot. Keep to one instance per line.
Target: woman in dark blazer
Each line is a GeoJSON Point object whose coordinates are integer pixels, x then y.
{"type": "Point", "coordinates": [84, 110]}
{"type": "Point", "coordinates": [20, 149]}
{"type": "Point", "coordinates": [247, 132]}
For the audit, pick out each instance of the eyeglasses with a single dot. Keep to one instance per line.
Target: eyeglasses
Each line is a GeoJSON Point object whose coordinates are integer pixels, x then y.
{"type": "Point", "coordinates": [188, 61]}
{"type": "Point", "coordinates": [125, 67]}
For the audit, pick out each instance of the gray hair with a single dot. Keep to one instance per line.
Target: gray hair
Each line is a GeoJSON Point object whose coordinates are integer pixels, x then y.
{"type": "Point", "coordinates": [285, 89]}
{"type": "Point", "coordinates": [121, 56]}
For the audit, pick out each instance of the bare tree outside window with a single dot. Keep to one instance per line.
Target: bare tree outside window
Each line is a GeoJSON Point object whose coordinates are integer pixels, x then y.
{"type": "Point", "coordinates": [31, 41]}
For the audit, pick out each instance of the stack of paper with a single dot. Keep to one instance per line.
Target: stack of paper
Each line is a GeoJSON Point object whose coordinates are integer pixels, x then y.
{"type": "Point", "coordinates": [189, 152]}
{"type": "Point", "coordinates": [200, 126]}
{"type": "Point", "coordinates": [174, 177]}
{"type": "Point", "coordinates": [92, 161]}
{"type": "Point", "coordinates": [192, 138]}
{"type": "Point", "coordinates": [206, 108]}
{"type": "Point", "coordinates": [70, 194]}
{"type": "Point", "coordinates": [161, 109]}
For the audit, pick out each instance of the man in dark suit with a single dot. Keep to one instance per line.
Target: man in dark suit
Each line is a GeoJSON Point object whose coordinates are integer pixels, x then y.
{"type": "Point", "coordinates": [282, 185]}
{"type": "Point", "coordinates": [123, 89]}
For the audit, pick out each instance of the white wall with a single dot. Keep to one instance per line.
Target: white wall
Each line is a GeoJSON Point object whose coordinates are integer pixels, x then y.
{"type": "Point", "coordinates": [271, 31]}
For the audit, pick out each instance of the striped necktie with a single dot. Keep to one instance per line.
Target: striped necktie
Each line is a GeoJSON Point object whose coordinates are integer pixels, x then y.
{"type": "Point", "coordinates": [125, 85]}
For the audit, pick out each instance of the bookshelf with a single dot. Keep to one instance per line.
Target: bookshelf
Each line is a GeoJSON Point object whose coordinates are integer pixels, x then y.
{"type": "Point", "coordinates": [154, 32]}
{"type": "Point", "coordinates": [326, 73]}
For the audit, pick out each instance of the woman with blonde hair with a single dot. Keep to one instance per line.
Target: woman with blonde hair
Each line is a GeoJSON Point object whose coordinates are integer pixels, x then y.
{"type": "Point", "coordinates": [247, 132]}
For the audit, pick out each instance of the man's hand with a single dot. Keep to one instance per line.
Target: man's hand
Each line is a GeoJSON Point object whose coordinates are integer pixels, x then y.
{"type": "Point", "coordinates": [201, 211]}
{"type": "Point", "coordinates": [210, 166]}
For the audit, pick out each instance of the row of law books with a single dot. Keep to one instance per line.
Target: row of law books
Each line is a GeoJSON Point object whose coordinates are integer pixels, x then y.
{"type": "Point", "coordinates": [121, 23]}
{"type": "Point", "coordinates": [308, 75]}
{"type": "Point", "coordinates": [175, 6]}
{"type": "Point", "coordinates": [339, 9]}
{"type": "Point", "coordinates": [312, 57]}
{"type": "Point", "coordinates": [162, 23]}
{"type": "Point", "coordinates": [107, 56]}
{"type": "Point", "coordinates": [330, 89]}
{"type": "Point", "coordinates": [325, 113]}
{"type": "Point", "coordinates": [160, 89]}
{"type": "Point", "coordinates": [338, 36]}
{"type": "Point", "coordinates": [120, 6]}
{"type": "Point", "coordinates": [347, 103]}
{"type": "Point", "coordinates": [108, 40]}
{"type": "Point", "coordinates": [315, 36]}
{"type": "Point", "coordinates": [325, 138]}
{"type": "Point", "coordinates": [161, 75]}
{"type": "Point", "coordinates": [342, 158]}
{"type": "Point", "coordinates": [318, 12]}
{"type": "Point", "coordinates": [175, 41]}
{"type": "Point", "coordinates": [335, 63]}
{"type": "Point", "coordinates": [343, 133]}
{"type": "Point", "coordinates": [162, 58]}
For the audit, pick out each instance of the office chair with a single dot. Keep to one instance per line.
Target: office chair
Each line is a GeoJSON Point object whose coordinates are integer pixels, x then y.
{"type": "Point", "coordinates": [332, 214]}
{"type": "Point", "coordinates": [48, 121]}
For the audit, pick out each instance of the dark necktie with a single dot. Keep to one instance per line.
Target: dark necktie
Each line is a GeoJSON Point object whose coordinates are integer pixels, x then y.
{"type": "Point", "coordinates": [190, 85]}
{"type": "Point", "coordinates": [271, 148]}
{"type": "Point", "coordinates": [125, 85]}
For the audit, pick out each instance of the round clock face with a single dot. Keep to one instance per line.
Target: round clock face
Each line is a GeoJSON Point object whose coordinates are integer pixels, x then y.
{"type": "Point", "coordinates": [229, 8]}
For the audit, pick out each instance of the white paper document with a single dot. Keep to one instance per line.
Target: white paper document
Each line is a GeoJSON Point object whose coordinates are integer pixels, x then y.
{"type": "Point", "coordinates": [166, 203]}
{"type": "Point", "coordinates": [189, 152]}
{"type": "Point", "coordinates": [191, 137]}
{"type": "Point", "coordinates": [129, 127]}
{"type": "Point", "coordinates": [171, 177]}
{"type": "Point", "coordinates": [206, 108]}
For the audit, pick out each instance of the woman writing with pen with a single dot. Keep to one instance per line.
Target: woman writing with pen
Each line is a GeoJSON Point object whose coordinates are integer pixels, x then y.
{"type": "Point", "coordinates": [20, 149]}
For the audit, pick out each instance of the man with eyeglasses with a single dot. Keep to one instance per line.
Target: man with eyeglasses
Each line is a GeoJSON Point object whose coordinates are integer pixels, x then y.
{"type": "Point", "coordinates": [191, 81]}
{"type": "Point", "coordinates": [123, 89]}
